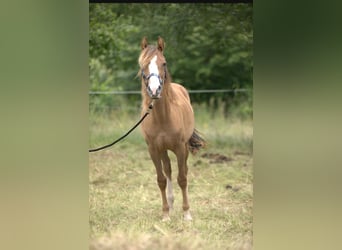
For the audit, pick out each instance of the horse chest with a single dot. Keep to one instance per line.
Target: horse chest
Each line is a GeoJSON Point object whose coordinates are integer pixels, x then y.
{"type": "Point", "coordinates": [164, 136]}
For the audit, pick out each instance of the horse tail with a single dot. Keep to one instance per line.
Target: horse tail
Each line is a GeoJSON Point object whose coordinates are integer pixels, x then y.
{"type": "Point", "coordinates": [196, 142]}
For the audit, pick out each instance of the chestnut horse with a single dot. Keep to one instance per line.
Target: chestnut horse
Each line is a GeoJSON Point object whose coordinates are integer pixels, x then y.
{"type": "Point", "coordinates": [170, 125]}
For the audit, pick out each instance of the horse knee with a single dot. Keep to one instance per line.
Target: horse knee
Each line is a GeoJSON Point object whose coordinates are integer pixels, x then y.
{"type": "Point", "coordinates": [182, 182]}
{"type": "Point", "coordinates": [161, 183]}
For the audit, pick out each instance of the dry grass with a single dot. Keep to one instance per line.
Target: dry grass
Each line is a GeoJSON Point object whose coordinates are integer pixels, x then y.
{"type": "Point", "coordinates": [124, 198]}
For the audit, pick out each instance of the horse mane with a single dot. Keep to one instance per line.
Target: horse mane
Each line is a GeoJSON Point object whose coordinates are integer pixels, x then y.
{"type": "Point", "coordinates": [145, 57]}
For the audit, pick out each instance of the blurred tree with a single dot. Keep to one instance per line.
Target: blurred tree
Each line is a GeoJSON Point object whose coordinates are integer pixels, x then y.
{"type": "Point", "coordinates": [208, 46]}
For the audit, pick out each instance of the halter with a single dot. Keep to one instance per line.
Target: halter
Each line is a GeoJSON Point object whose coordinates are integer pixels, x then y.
{"type": "Point", "coordinates": [146, 78]}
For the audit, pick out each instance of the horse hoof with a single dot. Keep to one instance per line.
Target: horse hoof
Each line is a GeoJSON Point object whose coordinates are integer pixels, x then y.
{"type": "Point", "coordinates": [187, 216]}
{"type": "Point", "coordinates": [166, 218]}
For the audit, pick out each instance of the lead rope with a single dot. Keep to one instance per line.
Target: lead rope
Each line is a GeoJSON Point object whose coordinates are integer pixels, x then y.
{"type": "Point", "coordinates": [136, 125]}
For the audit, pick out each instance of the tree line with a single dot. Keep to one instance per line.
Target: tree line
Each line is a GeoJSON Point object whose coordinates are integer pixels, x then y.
{"type": "Point", "coordinates": [208, 46]}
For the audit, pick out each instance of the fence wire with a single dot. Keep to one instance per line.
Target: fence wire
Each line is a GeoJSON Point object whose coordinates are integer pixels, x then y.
{"type": "Point", "coordinates": [138, 92]}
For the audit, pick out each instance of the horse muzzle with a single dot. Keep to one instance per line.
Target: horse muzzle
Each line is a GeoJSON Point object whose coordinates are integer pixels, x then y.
{"type": "Point", "coordinates": [154, 86]}
{"type": "Point", "coordinates": [154, 93]}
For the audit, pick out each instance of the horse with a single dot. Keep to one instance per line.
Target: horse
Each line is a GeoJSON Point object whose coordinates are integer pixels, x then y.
{"type": "Point", "coordinates": [170, 125]}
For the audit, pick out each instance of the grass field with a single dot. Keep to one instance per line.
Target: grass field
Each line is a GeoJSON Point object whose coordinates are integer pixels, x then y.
{"type": "Point", "coordinates": [124, 198]}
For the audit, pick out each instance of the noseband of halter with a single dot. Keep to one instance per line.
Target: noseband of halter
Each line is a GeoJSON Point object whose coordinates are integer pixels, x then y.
{"type": "Point", "coordinates": [146, 78]}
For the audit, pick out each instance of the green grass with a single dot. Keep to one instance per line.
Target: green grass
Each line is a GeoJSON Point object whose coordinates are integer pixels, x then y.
{"type": "Point", "coordinates": [124, 198]}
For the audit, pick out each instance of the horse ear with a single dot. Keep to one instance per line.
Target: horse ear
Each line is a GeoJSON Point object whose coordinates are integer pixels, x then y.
{"type": "Point", "coordinates": [161, 44]}
{"type": "Point", "coordinates": [144, 43]}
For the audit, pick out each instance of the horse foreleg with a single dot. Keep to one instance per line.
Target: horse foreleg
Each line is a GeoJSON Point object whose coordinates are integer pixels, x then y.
{"type": "Point", "coordinates": [182, 157]}
{"type": "Point", "coordinates": [161, 182]}
{"type": "Point", "coordinates": [168, 172]}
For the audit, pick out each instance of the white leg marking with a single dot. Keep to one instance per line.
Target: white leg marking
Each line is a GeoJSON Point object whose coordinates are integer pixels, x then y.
{"type": "Point", "coordinates": [170, 197]}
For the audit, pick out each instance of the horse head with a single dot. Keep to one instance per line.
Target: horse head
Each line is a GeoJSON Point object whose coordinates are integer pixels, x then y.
{"type": "Point", "coordinates": [153, 67]}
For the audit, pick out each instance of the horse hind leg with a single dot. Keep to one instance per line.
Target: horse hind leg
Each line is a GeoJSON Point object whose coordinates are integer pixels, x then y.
{"type": "Point", "coordinates": [182, 157]}
{"type": "Point", "coordinates": [168, 172]}
{"type": "Point", "coordinates": [161, 182]}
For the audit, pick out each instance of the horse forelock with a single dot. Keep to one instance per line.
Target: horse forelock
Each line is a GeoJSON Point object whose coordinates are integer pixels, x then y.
{"type": "Point", "coordinates": [146, 55]}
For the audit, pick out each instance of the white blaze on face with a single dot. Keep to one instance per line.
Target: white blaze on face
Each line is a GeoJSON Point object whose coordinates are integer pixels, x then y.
{"type": "Point", "coordinates": [154, 81]}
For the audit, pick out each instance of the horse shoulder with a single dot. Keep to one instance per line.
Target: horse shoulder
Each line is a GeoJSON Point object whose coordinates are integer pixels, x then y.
{"type": "Point", "coordinates": [180, 90]}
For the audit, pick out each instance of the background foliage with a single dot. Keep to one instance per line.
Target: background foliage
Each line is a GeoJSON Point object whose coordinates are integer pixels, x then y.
{"type": "Point", "coordinates": [208, 46]}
